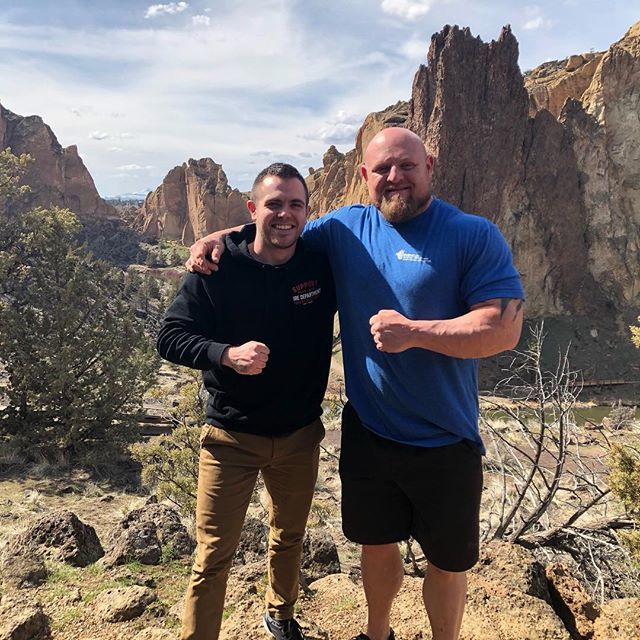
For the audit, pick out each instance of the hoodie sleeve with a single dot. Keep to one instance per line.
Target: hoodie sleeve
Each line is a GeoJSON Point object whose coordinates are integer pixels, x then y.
{"type": "Point", "coordinates": [188, 328]}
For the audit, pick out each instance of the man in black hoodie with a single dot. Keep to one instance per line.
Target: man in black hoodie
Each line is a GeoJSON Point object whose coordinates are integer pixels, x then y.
{"type": "Point", "coordinates": [261, 332]}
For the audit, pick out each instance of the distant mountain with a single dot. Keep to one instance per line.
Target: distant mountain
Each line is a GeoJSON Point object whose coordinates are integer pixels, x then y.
{"type": "Point", "coordinates": [138, 196]}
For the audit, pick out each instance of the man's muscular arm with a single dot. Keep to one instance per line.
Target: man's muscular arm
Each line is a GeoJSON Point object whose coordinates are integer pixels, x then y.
{"type": "Point", "coordinates": [205, 253]}
{"type": "Point", "coordinates": [488, 328]}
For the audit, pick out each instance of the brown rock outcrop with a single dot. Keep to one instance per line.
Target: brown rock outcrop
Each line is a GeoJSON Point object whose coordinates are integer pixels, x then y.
{"type": "Point", "coordinates": [562, 181]}
{"type": "Point", "coordinates": [551, 84]}
{"type": "Point", "coordinates": [57, 176]}
{"type": "Point", "coordinates": [193, 200]}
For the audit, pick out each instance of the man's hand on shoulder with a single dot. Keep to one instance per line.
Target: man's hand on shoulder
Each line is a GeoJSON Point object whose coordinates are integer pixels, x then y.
{"type": "Point", "coordinates": [391, 331]}
{"type": "Point", "coordinates": [205, 255]}
{"type": "Point", "coordinates": [248, 359]}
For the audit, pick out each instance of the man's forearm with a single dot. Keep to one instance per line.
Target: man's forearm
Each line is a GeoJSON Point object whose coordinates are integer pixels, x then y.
{"type": "Point", "coordinates": [476, 334]}
{"type": "Point", "coordinates": [205, 253]}
{"type": "Point", "coordinates": [488, 328]}
{"type": "Point", "coordinates": [216, 236]}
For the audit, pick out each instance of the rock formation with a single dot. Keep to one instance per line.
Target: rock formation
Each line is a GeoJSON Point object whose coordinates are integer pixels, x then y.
{"type": "Point", "coordinates": [553, 159]}
{"type": "Point", "coordinates": [194, 199]}
{"type": "Point", "coordinates": [552, 83]}
{"type": "Point", "coordinates": [57, 176]}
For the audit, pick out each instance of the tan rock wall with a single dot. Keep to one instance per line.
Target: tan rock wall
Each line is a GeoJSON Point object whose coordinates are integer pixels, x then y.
{"type": "Point", "coordinates": [57, 176]}
{"type": "Point", "coordinates": [193, 200]}
{"type": "Point", "coordinates": [551, 84]}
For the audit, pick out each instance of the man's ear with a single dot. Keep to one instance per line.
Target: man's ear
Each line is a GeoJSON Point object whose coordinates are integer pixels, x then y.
{"type": "Point", "coordinates": [363, 171]}
{"type": "Point", "coordinates": [251, 207]}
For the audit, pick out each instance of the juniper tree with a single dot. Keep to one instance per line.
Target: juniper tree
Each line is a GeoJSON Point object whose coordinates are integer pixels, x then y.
{"type": "Point", "coordinates": [76, 358]}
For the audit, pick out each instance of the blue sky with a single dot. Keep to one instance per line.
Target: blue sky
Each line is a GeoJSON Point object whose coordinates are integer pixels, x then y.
{"type": "Point", "coordinates": [142, 87]}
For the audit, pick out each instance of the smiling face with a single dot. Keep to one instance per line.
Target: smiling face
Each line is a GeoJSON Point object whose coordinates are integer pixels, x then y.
{"type": "Point", "coordinates": [398, 173]}
{"type": "Point", "coordinates": [279, 209]}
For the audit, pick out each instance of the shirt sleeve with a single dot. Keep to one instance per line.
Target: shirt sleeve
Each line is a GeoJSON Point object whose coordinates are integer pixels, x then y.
{"type": "Point", "coordinates": [186, 334]}
{"type": "Point", "coordinates": [316, 234]}
{"type": "Point", "coordinates": [489, 271]}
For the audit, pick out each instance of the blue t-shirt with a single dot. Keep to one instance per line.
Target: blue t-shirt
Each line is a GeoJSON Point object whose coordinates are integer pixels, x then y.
{"type": "Point", "coordinates": [434, 266]}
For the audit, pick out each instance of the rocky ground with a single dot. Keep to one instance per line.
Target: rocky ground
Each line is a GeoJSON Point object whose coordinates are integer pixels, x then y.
{"type": "Point", "coordinates": [118, 569]}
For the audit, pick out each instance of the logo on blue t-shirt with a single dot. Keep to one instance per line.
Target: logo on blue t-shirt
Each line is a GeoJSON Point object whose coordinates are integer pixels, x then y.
{"type": "Point", "coordinates": [411, 257]}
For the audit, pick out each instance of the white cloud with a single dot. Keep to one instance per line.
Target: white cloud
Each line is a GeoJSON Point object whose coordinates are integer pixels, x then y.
{"type": "Point", "coordinates": [201, 21]}
{"type": "Point", "coordinates": [534, 23]}
{"type": "Point", "coordinates": [165, 9]}
{"type": "Point", "coordinates": [115, 149]}
{"type": "Point", "coordinates": [535, 19]}
{"type": "Point", "coordinates": [340, 128]}
{"type": "Point", "coordinates": [406, 9]}
{"type": "Point", "coordinates": [76, 111]}
{"type": "Point", "coordinates": [98, 135]}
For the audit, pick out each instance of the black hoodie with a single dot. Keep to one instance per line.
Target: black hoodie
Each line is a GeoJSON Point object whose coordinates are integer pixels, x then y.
{"type": "Point", "coordinates": [289, 307]}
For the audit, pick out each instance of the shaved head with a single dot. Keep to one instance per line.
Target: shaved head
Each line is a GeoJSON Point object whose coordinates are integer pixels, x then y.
{"type": "Point", "coordinates": [395, 136]}
{"type": "Point", "coordinates": [398, 172]}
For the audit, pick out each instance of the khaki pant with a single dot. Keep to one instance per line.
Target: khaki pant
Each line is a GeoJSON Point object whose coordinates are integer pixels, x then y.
{"type": "Point", "coordinates": [229, 466]}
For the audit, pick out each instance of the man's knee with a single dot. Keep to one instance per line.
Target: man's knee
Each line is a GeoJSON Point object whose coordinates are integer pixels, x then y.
{"type": "Point", "coordinates": [444, 576]}
{"type": "Point", "coordinates": [380, 551]}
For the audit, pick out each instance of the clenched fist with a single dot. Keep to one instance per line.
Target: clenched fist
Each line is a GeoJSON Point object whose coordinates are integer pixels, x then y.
{"type": "Point", "coordinates": [249, 358]}
{"type": "Point", "coordinates": [391, 331]}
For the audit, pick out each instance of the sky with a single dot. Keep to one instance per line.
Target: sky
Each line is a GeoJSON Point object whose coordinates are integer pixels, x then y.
{"type": "Point", "coordinates": [141, 87]}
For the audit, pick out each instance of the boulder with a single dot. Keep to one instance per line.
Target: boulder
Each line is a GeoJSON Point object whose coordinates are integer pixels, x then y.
{"type": "Point", "coordinates": [61, 536]}
{"type": "Point", "coordinates": [19, 621]}
{"type": "Point", "coordinates": [19, 571]}
{"type": "Point", "coordinates": [571, 602]}
{"type": "Point", "coordinates": [319, 555]}
{"type": "Point", "coordinates": [494, 612]}
{"type": "Point", "coordinates": [125, 603]}
{"type": "Point", "coordinates": [139, 542]}
{"type": "Point", "coordinates": [147, 534]}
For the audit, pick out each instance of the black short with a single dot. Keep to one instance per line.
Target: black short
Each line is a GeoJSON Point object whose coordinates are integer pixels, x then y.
{"type": "Point", "coordinates": [391, 491]}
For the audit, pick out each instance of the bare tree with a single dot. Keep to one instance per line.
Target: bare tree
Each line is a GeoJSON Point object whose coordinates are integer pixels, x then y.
{"type": "Point", "coordinates": [540, 478]}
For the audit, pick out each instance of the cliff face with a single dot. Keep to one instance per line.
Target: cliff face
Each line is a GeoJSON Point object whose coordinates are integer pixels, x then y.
{"type": "Point", "coordinates": [57, 176]}
{"type": "Point", "coordinates": [193, 200]}
{"type": "Point", "coordinates": [553, 160]}
{"type": "Point", "coordinates": [552, 83]}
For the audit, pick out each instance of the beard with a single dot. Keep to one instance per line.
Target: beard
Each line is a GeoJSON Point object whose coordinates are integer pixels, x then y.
{"type": "Point", "coordinates": [400, 209]}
